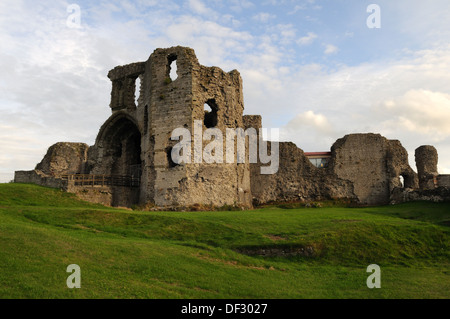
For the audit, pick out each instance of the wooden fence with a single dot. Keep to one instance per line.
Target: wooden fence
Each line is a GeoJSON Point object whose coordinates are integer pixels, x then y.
{"type": "Point", "coordinates": [102, 180]}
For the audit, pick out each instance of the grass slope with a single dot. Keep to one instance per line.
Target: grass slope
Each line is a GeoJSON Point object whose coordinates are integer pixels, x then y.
{"type": "Point", "coordinates": [134, 254]}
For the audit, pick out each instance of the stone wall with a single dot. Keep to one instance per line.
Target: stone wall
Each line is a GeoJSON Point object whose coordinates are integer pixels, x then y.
{"type": "Point", "coordinates": [98, 195]}
{"type": "Point", "coordinates": [364, 168]}
{"type": "Point", "coordinates": [60, 159]}
{"type": "Point", "coordinates": [38, 178]}
{"type": "Point", "coordinates": [64, 158]}
{"type": "Point", "coordinates": [169, 103]}
{"type": "Point", "coordinates": [218, 183]}
{"type": "Point", "coordinates": [297, 179]}
{"type": "Point", "coordinates": [443, 181]}
{"type": "Point", "coordinates": [373, 164]}
{"type": "Point", "coordinates": [123, 80]}
{"type": "Point", "coordinates": [106, 195]}
{"type": "Point", "coordinates": [439, 194]}
{"type": "Point", "coordinates": [361, 159]}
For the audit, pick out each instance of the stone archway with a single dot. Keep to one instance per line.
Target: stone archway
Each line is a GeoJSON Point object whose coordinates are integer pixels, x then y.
{"type": "Point", "coordinates": [120, 142]}
{"type": "Point", "coordinates": [125, 147]}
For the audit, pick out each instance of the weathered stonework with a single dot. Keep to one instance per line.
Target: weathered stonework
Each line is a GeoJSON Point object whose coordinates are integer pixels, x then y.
{"type": "Point", "coordinates": [373, 164]}
{"type": "Point", "coordinates": [39, 178]}
{"type": "Point", "coordinates": [60, 159]}
{"type": "Point", "coordinates": [297, 180]}
{"type": "Point", "coordinates": [136, 139]}
{"type": "Point", "coordinates": [64, 158]}
{"type": "Point", "coordinates": [443, 181]}
{"type": "Point", "coordinates": [130, 162]}
{"type": "Point", "coordinates": [426, 162]}
{"type": "Point", "coordinates": [439, 194]}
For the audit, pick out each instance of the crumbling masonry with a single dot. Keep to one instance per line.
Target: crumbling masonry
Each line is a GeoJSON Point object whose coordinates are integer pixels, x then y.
{"type": "Point", "coordinates": [130, 162]}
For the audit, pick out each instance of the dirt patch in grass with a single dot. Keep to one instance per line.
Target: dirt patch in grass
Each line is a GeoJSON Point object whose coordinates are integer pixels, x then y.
{"type": "Point", "coordinates": [281, 251]}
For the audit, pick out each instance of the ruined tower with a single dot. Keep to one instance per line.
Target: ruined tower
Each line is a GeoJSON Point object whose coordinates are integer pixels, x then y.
{"type": "Point", "coordinates": [136, 139]}
{"type": "Point", "coordinates": [426, 162]}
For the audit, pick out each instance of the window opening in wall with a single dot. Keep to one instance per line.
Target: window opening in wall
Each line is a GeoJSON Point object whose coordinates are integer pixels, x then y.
{"type": "Point", "coordinates": [146, 120]}
{"type": "Point", "coordinates": [319, 159]}
{"type": "Point", "coordinates": [169, 158]}
{"type": "Point", "coordinates": [210, 109]}
{"type": "Point", "coordinates": [402, 181]}
{"type": "Point", "coordinates": [172, 67]}
{"type": "Point", "coordinates": [319, 162]}
{"type": "Point", "coordinates": [137, 91]}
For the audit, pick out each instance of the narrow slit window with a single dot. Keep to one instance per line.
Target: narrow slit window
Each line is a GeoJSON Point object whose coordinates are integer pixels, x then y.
{"type": "Point", "coordinates": [146, 120]}
{"type": "Point", "coordinates": [137, 91]}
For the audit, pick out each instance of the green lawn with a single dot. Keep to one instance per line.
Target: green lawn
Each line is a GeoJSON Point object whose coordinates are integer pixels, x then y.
{"type": "Point", "coordinates": [136, 254]}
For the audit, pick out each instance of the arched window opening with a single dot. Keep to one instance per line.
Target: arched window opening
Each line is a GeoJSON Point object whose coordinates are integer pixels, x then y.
{"type": "Point", "coordinates": [407, 180]}
{"type": "Point", "coordinates": [210, 114]}
{"type": "Point", "coordinates": [172, 67]}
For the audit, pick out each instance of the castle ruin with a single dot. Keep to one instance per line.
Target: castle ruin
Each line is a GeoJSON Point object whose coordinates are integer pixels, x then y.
{"type": "Point", "coordinates": [130, 162]}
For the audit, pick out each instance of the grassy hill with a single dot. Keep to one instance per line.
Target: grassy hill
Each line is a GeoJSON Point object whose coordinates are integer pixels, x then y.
{"type": "Point", "coordinates": [264, 253]}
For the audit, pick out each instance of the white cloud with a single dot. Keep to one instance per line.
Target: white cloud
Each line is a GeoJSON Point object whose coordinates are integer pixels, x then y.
{"type": "Point", "coordinates": [199, 7]}
{"type": "Point", "coordinates": [308, 39]}
{"type": "Point", "coordinates": [240, 5]}
{"type": "Point", "coordinates": [309, 119]}
{"type": "Point", "coordinates": [349, 34]}
{"type": "Point", "coordinates": [282, 34]}
{"type": "Point", "coordinates": [310, 130]}
{"type": "Point", "coordinates": [263, 17]}
{"type": "Point", "coordinates": [304, 6]}
{"type": "Point", "coordinates": [420, 111]}
{"type": "Point", "coordinates": [331, 49]}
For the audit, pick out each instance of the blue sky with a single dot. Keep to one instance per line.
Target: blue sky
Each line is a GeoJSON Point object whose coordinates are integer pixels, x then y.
{"type": "Point", "coordinates": [310, 67]}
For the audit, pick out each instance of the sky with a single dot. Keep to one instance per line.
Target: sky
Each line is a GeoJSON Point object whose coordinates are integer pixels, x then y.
{"type": "Point", "coordinates": [315, 69]}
